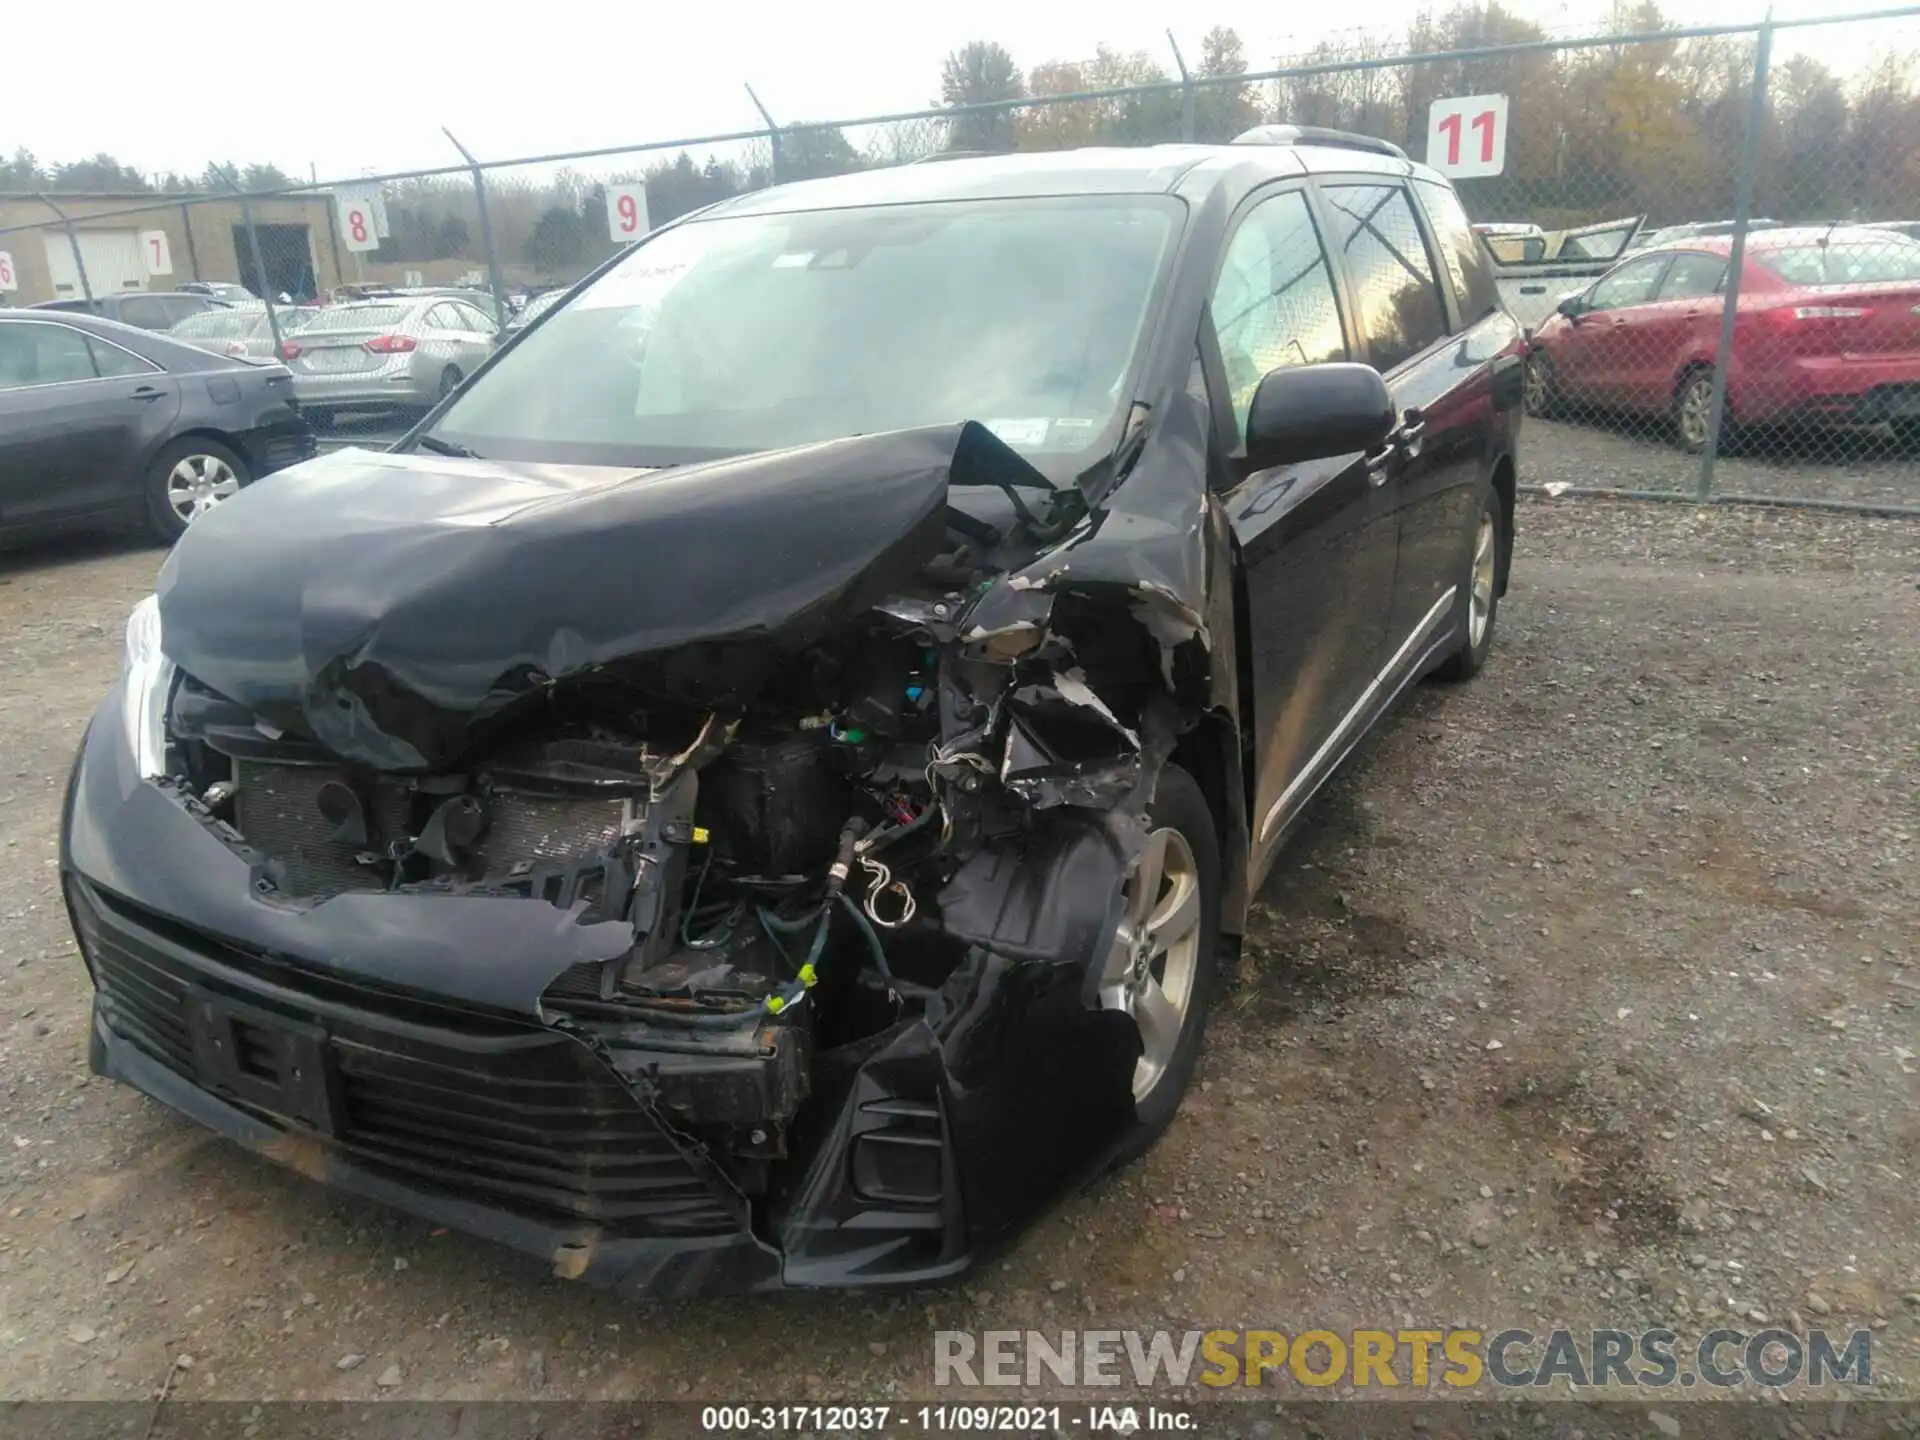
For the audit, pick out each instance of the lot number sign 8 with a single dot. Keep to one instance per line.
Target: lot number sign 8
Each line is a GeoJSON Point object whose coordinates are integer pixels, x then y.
{"type": "Point", "coordinates": [1467, 136]}
{"type": "Point", "coordinates": [359, 217]}
{"type": "Point", "coordinates": [627, 212]}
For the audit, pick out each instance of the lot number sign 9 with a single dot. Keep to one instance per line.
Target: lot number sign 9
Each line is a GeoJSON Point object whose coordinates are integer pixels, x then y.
{"type": "Point", "coordinates": [1467, 136]}
{"type": "Point", "coordinates": [627, 212]}
{"type": "Point", "coordinates": [8, 281]}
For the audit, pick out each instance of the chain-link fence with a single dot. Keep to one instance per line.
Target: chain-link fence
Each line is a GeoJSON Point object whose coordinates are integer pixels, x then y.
{"type": "Point", "coordinates": [1711, 234]}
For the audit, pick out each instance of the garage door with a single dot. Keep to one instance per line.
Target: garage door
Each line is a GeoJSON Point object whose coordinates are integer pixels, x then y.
{"type": "Point", "coordinates": [112, 257]}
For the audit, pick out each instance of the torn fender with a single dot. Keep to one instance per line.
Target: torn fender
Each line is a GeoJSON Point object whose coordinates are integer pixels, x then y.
{"type": "Point", "coordinates": [1145, 550]}
{"type": "Point", "coordinates": [1013, 1083]}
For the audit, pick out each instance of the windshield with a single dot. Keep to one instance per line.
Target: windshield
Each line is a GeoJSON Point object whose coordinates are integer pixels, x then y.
{"type": "Point", "coordinates": [358, 317]}
{"type": "Point", "coordinates": [1846, 262]}
{"type": "Point", "coordinates": [758, 332]}
{"type": "Point", "coordinates": [218, 324]}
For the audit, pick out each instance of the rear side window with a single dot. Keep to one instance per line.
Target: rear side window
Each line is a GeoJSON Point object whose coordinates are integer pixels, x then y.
{"type": "Point", "coordinates": [1631, 284]}
{"type": "Point", "coordinates": [1388, 266]}
{"type": "Point", "coordinates": [112, 361]}
{"type": "Point", "coordinates": [1468, 264]}
{"type": "Point", "coordinates": [42, 355]}
{"type": "Point", "coordinates": [1693, 275]}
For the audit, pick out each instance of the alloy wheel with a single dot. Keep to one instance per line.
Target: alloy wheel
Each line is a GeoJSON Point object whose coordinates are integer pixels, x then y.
{"type": "Point", "coordinates": [1538, 392]}
{"type": "Point", "coordinates": [1480, 600]}
{"type": "Point", "coordinates": [1696, 411]}
{"type": "Point", "coordinates": [1151, 969]}
{"type": "Point", "coordinates": [197, 483]}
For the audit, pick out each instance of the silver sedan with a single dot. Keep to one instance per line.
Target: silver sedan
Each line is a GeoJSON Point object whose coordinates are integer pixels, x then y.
{"type": "Point", "coordinates": [394, 354]}
{"type": "Point", "coordinates": [242, 332]}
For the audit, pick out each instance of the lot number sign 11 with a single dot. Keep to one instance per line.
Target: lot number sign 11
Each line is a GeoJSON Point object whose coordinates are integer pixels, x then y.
{"type": "Point", "coordinates": [627, 212]}
{"type": "Point", "coordinates": [1467, 136]}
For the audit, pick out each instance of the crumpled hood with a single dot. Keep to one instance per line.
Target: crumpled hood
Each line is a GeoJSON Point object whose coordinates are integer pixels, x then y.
{"type": "Point", "coordinates": [393, 607]}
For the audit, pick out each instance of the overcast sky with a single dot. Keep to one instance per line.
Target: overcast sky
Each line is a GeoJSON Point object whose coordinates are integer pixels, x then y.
{"type": "Point", "coordinates": [352, 88]}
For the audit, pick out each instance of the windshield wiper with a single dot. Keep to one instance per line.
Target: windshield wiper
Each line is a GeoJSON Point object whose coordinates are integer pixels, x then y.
{"type": "Point", "coordinates": [447, 447]}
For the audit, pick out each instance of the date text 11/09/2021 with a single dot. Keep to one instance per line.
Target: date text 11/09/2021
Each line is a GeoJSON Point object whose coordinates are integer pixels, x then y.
{"type": "Point", "coordinates": [975, 1419]}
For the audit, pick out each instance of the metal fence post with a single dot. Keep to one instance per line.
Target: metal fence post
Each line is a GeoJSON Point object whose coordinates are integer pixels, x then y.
{"type": "Point", "coordinates": [1742, 217]}
{"type": "Point", "coordinates": [1187, 121]}
{"type": "Point", "coordinates": [186, 228]}
{"type": "Point", "coordinates": [773, 135]}
{"type": "Point", "coordinates": [486, 229]}
{"type": "Point", "coordinates": [259, 261]}
{"type": "Point", "coordinates": [73, 239]}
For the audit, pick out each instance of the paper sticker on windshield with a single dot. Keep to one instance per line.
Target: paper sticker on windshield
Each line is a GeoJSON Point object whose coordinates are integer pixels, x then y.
{"type": "Point", "coordinates": [632, 284]}
{"type": "Point", "coordinates": [795, 260]}
{"type": "Point", "coordinates": [1020, 432]}
{"type": "Point", "coordinates": [1078, 424]}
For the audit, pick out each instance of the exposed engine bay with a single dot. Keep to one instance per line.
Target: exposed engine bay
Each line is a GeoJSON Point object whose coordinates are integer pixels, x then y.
{"type": "Point", "coordinates": [808, 835]}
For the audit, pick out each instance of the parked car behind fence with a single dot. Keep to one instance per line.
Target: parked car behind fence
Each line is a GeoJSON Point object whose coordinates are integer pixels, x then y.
{"type": "Point", "coordinates": [1827, 331]}
{"type": "Point", "coordinates": [392, 354]}
{"type": "Point", "coordinates": [242, 331]}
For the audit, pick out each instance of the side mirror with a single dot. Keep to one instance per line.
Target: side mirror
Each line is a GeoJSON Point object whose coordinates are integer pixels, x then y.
{"type": "Point", "coordinates": [1573, 306]}
{"type": "Point", "coordinates": [1311, 412]}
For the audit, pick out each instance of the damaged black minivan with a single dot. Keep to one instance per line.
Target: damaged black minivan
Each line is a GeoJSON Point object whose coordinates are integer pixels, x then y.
{"type": "Point", "coordinates": [753, 791]}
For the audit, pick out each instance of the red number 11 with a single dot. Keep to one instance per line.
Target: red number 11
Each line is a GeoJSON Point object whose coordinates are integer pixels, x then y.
{"type": "Point", "coordinates": [1483, 123]}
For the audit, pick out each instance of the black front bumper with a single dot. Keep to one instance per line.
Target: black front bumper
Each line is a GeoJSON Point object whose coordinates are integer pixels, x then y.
{"type": "Point", "coordinates": [433, 1073]}
{"type": "Point", "coordinates": [514, 1132]}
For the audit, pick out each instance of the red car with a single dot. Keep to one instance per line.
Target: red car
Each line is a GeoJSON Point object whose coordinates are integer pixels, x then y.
{"type": "Point", "coordinates": [1827, 330]}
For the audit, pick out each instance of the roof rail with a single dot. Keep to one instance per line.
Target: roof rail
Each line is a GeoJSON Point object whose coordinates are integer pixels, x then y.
{"type": "Point", "coordinates": [1317, 135]}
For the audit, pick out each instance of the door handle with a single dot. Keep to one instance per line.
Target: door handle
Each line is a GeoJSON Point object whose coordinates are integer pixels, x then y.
{"type": "Point", "coordinates": [147, 392]}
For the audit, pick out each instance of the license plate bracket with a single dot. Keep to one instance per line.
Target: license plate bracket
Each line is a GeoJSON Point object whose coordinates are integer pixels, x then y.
{"type": "Point", "coordinates": [265, 1060]}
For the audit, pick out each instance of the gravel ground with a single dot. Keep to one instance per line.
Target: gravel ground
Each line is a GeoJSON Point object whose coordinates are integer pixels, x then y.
{"type": "Point", "coordinates": [1861, 466]}
{"type": "Point", "coordinates": [1588, 996]}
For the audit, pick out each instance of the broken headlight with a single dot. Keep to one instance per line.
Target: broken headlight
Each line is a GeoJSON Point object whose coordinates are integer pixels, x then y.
{"type": "Point", "coordinates": [146, 680]}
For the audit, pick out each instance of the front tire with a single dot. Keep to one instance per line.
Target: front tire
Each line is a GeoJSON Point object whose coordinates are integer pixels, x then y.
{"type": "Point", "coordinates": [1162, 965]}
{"type": "Point", "coordinates": [188, 478]}
{"type": "Point", "coordinates": [1478, 599]}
